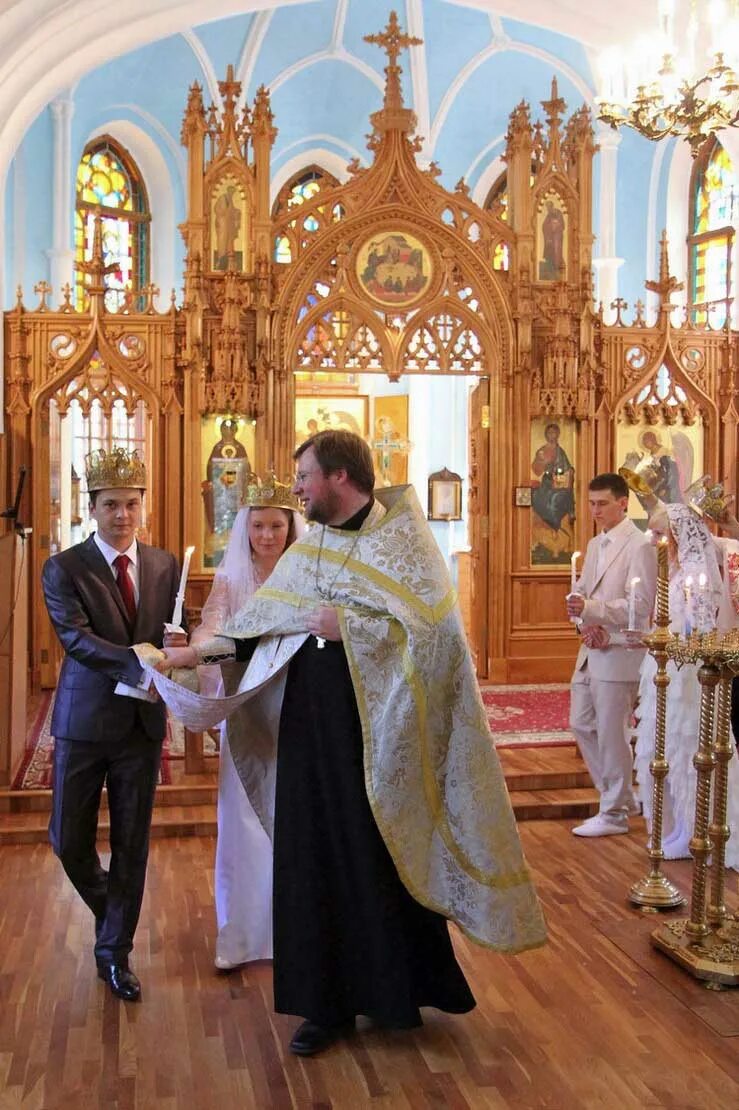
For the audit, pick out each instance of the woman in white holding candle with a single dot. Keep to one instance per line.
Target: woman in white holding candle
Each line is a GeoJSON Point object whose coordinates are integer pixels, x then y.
{"type": "Point", "coordinates": [269, 523]}
{"type": "Point", "coordinates": [694, 593]}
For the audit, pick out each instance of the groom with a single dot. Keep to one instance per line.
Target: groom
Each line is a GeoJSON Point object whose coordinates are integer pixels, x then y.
{"type": "Point", "coordinates": [606, 679]}
{"type": "Point", "coordinates": [104, 596]}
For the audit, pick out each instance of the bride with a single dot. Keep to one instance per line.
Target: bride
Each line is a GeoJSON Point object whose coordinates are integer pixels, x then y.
{"type": "Point", "coordinates": [269, 523]}
{"type": "Point", "coordinates": [691, 553]}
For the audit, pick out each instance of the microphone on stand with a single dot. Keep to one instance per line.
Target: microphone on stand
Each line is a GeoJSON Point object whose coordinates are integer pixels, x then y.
{"type": "Point", "coordinates": [11, 513]}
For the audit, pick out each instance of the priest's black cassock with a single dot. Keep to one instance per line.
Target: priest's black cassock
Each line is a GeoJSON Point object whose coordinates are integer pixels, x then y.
{"type": "Point", "coordinates": [348, 937]}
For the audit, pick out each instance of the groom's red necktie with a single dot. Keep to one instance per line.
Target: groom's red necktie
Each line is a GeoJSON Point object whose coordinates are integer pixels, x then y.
{"type": "Point", "coordinates": [125, 585]}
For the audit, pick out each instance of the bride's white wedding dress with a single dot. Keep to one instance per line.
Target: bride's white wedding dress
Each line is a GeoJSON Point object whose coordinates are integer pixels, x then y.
{"type": "Point", "coordinates": [244, 858]}
{"type": "Point", "coordinates": [681, 736]}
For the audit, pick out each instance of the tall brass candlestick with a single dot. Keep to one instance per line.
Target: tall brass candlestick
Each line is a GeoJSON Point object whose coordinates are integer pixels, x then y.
{"type": "Point", "coordinates": [704, 762]}
{"type": "Point", "coordinates": [718, 830]}
{"type": "Point", "coordinates": [655, 889]}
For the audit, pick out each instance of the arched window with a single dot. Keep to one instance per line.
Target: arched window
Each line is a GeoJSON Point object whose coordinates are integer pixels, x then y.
{"type": "Point", "coordinates": [714, 206]}
{"type": "Point", "coordinates": [108, 180]}
{"type": "Point", "coordinates": [301, 188]}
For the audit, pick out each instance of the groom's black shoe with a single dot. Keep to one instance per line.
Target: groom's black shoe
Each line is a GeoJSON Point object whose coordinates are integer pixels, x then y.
{"type": "Point", "coordinates": [121, 980]}
{"type": "Point", "coordinates": [311, 1038]}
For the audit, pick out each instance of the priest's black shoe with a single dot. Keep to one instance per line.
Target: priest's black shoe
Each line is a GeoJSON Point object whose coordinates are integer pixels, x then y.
{"type": "Point", "coordinates": [310, 1038]}
{"type": "Point", "coordinates": [121, 980]}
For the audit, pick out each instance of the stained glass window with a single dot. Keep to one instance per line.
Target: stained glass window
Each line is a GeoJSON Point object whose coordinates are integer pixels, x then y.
{"type": "Point", "coordinates": [714, 206]}
{"type": "Point", "coordinates": [300, 189]}
{"type": "Point", "coordinates": [109, 181]}
{"type": "Point", "coordinates": [497, 199]}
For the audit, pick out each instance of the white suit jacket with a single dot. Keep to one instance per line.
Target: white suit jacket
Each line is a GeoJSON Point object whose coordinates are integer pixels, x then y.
{"type": "Point", "coordinates": [606, 590]}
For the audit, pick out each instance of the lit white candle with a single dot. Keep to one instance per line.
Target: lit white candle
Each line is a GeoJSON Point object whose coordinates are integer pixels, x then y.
{"type": "Point", "coordinates": [573, 570]}
{"type": "Point", "coordinates": [632, 602]}
{"type": "Point", "coordinates": [176, 621]}
{"type": "Point", "coordinates": [702, 620]}
{"type": "Point", "coordinates": [688, 622]}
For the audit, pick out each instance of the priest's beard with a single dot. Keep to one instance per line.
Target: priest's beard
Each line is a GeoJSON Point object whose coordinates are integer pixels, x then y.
{"type": "Point", "coordinates": [324, 509]}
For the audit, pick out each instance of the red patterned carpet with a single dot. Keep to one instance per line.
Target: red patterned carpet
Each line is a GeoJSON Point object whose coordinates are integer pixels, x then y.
{"type": "Point", "coordinates": [528, 716]}
{"type": "Point", "coordinates": [519, 717]}
{"type": "Point", "coordinates": [35, 770]}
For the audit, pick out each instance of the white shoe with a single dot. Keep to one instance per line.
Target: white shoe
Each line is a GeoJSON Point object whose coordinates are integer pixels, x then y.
{"type": "Point", "coordinates": [602, 825]}
{"type": "Point", "coordinates": [227, 965]}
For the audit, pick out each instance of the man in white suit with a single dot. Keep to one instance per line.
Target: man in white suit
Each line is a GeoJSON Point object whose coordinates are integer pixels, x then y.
{"type": "Point", "coordinates": [606, 679]}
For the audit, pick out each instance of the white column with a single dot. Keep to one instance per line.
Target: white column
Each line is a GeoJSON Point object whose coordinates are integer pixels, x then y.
{"type": "Point", "coordinates": [419, 413]}
{"type": "Point", "coordinates": [61, 254]}
{"type": "Point", "coordinates": [607, 265]}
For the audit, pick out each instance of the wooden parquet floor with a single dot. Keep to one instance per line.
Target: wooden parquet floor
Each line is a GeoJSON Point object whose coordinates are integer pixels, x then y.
{"type": "Point", "coordinates": [573, 1026]}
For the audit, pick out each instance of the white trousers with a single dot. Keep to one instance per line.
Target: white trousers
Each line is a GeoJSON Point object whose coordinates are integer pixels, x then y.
{"type": "Point", "coordinates": [600, 716]}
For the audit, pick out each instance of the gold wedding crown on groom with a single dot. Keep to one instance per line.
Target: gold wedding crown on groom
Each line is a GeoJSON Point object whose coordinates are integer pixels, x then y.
{"type": "Point", "coordinates": [114, 469]}
{"type": "Point", "coordinates": [269, 493]}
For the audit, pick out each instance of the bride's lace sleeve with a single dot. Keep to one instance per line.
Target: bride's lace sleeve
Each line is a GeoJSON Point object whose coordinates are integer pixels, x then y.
{"type": "Point", "coordinates": [209, 646]}
{"type": "Point", "coordinates": [215, 613]}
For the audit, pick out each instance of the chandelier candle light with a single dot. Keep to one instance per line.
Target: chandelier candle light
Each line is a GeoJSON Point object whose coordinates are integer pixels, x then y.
{"type": "Point", "coordinates": [681, 80]}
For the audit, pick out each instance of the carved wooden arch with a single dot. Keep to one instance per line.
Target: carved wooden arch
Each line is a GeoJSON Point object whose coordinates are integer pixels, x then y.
{"type": "Point", "coordinates": [360, 316]}
{"type": "Point", "coordinates": [109, 341]}
{"type": "Point", "coordinates": [452, 250]}
{"type": "Point", "coordinates": [45, 649]}
{"type": "Point", "coordinates": [697, 402]}
{"type": "Point", "coordinates": [468, 320]}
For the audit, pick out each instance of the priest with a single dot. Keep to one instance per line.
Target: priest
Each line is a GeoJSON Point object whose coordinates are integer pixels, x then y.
{"type": "Point", "coordinates": [365, 750]}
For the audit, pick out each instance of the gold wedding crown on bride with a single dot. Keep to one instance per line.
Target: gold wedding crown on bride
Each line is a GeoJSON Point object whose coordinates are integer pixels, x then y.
{"type": "Point", "coordinates": [114, 469]}
{"type": "Point", "coordinates": [269, 493]}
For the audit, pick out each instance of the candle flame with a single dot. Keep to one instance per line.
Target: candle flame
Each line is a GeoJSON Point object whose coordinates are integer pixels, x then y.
{"type": "Point", "coordinates": [702, 581]}
{"type": "Point", "coordinates": [688, 582]}
{"type": "Point", "coordinates": [189, 551]}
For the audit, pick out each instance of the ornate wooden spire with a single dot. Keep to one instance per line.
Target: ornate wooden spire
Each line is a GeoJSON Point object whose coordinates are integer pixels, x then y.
{"type": "Point", "coordinates": [392, 40]}
{"type": "Point", "coordinates": [667, 284]}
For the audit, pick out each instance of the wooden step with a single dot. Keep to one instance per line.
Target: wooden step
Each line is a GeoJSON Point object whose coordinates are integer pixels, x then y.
{"type": "Point", "coordinates": [202, 790]}
{"type": "Point", "coordinates": [194, 820]}
{"type": "Point", "coordinates": [553, 805]}
{"type": "Point", "coordinates": [544, 784]}
{"type": "Point", "coordinates": [544, 769]}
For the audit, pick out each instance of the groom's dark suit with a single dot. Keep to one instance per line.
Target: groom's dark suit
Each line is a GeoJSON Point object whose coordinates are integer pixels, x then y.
{"type": "Point", "coordinates": [103, 737]}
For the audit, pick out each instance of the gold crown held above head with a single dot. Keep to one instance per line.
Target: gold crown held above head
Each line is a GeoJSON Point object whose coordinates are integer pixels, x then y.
{"type": "Point", "coordinates": [268, 493]}
{"type": "Point", "coordinates": [707, 498]}
{"type": "Point", "coordinates": [115, 469]}
{"type": "Point", "coordinates": [635, 481]}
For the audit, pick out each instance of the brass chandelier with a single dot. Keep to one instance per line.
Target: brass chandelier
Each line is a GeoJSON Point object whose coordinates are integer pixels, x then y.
{"type": "Point", "coordinates": [681, 81]}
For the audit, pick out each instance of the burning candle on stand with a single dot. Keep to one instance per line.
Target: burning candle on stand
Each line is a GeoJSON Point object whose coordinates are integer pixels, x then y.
{"type": "Point", "coordinates": [703, 618]}
{"type": "Point", "coordinates": [688, 621]}
{"type": "Point", "coordinates": [632, 604]}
